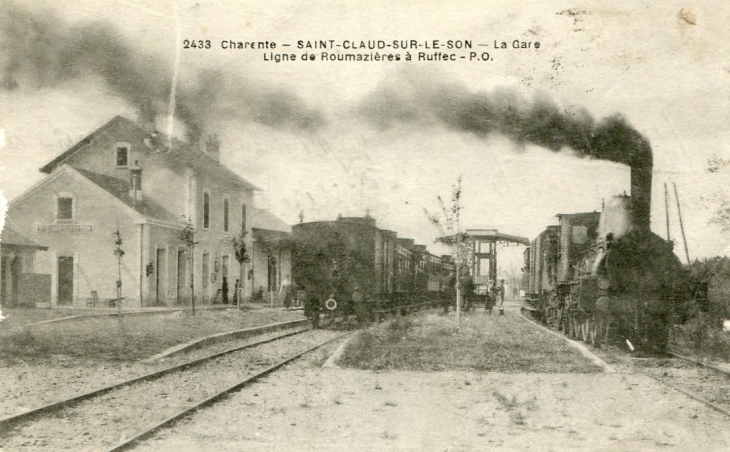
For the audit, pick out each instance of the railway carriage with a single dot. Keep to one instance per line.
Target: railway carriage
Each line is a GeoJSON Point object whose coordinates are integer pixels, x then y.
{"type": "Point", "coordinates": [332, 258]}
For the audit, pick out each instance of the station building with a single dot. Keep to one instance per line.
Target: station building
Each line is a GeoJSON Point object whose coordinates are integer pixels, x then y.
{"type": "Point", "coordinates": [271, 260]}
{"type": "Point", "coordinates": [126, 177]}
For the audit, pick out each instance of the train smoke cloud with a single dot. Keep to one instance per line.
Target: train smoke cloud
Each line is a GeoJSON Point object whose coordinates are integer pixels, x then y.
{"type": "Point", "coordinates": [419, 99]}
{"type": "Point", "coordinates": [40, 50]}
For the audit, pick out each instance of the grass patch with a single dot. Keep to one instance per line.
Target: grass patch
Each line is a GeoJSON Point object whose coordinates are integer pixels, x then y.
{"type": "Point", "coordinates": [126, 339]}
{"type": "Point", "coordinates": [481, 343]}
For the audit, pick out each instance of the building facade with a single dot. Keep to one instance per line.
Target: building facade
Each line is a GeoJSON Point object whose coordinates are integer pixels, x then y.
{"type": "Point", "coordinates": [271, 258]}
{"type": "Point", "coordinates": [126, 178]}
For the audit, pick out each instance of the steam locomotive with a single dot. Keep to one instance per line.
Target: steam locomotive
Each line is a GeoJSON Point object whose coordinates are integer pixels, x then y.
{"type": "Point", "coordinates": [604, 275]}
{"type": "Point", "coordinates": [333, 258]}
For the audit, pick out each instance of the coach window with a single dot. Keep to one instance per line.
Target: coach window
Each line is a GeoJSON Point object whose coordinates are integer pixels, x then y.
{"type": "Point", "coordinates": [64, 207]}
{"type": "Point", "coordinates": [121, 154]}
{"type": "Point", "coordinates": [206, 210]}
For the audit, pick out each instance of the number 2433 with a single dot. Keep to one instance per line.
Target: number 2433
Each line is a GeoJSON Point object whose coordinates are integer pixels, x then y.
{"type": "Point", "coordinates": [196, 44]}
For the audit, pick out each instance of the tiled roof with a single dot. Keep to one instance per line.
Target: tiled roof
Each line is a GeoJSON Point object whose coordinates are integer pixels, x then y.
{"type": "Point", "coordinates": [263, 219]}
{"type": "Point", "coordinates": [180, 151]}
{"type": "Point", "coordinates": [120, 189]}
{"type": "Point", "coordinates": [10, 237]}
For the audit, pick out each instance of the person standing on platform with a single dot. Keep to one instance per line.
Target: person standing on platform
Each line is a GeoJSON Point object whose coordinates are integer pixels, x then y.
{"type": "Point", "coordinates": [501, 296]}
{"type": "Point", "coordinates": [494, 293]}
{"type": "Point", "coordinates": [224, 291]}
{"type": "Point", "coordinates": [467, 289]}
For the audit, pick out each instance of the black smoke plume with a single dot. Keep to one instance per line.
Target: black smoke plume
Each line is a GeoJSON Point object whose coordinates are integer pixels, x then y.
{"type": "Point", "coordinates": [39, 50]}
{"type": "Point", "coordinates": [423, 100]}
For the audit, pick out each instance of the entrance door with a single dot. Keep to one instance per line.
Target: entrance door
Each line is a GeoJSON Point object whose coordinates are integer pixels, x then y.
{"type": "Point", "coordinates": [65, 280]}
{"type": "Point", "coordinates": [161, 290]}
{"type": "Point", "coordinates": [206, 277]}
{"type": "Point", "coordinates": [224, 279]}
{"type": "Point", "coordinates": [181, 272]}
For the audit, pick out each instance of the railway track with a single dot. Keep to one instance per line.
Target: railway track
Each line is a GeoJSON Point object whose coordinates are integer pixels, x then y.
{"type": "Point", "coordinates": [117, 416]}
{"type": "Point", "coordinates": [701, 381]}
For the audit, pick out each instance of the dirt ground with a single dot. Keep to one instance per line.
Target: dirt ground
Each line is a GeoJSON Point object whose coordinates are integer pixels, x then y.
{"type": "Point", "coordinates": [338, 409]}
{"type": "Point", "coordinates": [308, 408]}
{"type": "Point", "coordinates": [305, 407]}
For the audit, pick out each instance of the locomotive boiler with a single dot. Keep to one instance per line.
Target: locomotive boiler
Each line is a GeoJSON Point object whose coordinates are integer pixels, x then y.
{"type": "Point", "coordinates": [602, 275]}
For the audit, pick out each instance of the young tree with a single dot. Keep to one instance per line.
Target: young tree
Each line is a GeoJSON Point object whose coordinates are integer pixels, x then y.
{"type": "Point", "coordinates": [241, 253]}
{"type": "Point", "coordinates": [448, 222]}
{"type": "Point", "coordinates": [119, 252]}
{"type": "Point", "coordinates": [187, 236]}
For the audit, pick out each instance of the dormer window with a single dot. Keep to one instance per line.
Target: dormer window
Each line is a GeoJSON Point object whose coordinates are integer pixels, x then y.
{"type": "Point", "coordinates": [121, 154]}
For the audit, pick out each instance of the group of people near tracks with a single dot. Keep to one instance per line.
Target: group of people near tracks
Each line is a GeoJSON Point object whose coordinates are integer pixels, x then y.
{"type": "Point", "coordinates": [467, 291]}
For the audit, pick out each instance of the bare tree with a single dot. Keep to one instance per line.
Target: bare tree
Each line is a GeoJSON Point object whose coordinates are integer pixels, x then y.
{"type": "Point", "coordinates": [187, 236]}
{"type": "Point", "coordinates": [448, 222]}
{"type": "Point", "coordinates": [241, 253]}
{"type": "Point", "coordinates": [119, 252]}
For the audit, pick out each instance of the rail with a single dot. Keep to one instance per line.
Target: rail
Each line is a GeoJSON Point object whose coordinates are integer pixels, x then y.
{"type": "Point", "coordinates": [139, 436]}
{"type": "Point", "coordinates": [9, 422]}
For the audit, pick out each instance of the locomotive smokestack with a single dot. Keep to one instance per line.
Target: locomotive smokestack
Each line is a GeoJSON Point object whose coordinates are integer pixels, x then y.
{"type": "Point", "coordinates": [641, 198]}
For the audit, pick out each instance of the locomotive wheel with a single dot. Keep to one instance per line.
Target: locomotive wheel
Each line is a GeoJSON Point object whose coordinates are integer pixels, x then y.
{"type": "Point", "coordinates": [553, 318]}
{"type": "Point", "coordinates": [569, 324]}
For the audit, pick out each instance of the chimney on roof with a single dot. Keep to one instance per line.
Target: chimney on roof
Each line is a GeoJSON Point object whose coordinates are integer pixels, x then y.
{"type": "Point", "coordinates": [135, 183]}
{"type": "Point", "coordinates": [213, 147]}
{"type": "Point", "coordinates": [146, 116]}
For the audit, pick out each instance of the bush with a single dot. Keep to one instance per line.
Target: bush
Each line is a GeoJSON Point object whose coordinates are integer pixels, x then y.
{"type": "Point", "coordinates": [705, 308]}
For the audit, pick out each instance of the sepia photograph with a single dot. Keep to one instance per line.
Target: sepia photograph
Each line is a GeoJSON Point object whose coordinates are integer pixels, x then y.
{"type": "Point", "coordinates": [364, 226]}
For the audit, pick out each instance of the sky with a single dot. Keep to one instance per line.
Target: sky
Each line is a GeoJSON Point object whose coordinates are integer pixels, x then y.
{"type": "Point", "coordinates": [389, 137]}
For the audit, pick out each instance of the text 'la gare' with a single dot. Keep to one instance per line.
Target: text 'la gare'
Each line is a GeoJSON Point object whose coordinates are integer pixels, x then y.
{"type": "Point", "coordinates": [517, 44]}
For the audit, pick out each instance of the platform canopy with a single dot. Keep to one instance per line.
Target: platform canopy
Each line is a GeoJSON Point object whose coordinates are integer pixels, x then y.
{"type": "Point", "coordinates": [480, 246]}
{"type": "Point", "coordinates": [487, 236]}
